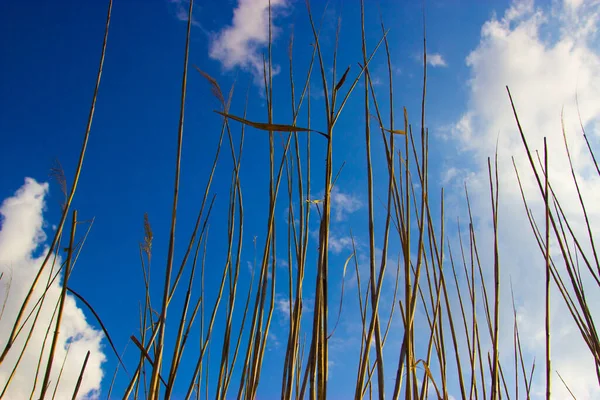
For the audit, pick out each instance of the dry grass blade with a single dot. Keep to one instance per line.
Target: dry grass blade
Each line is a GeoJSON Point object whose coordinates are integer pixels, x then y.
{"type": "Point", "coordinates": [38, 369]}
{"type": "Point", "coordinates": [62, 367]}
{"type": "Point", "coordinates": [38, 307]}
{"type": "Point", "coordinates": [181, 336]}
{"type": "Point", "coordinates": [146, 356]}
{"type": "Point", "coordinates": [357, 79]}
{"type": "Point", "coordinates": [269, 127]}
{"type": "Point", "coordinates": [518, 349]}
{"type": "Point", "coordinates": [566, 386]}
{"type": "Point", "coordinates": [587, 142]}
{"type": "Point", "coordinates": [7, 287]}
{"type": "Point", "coordinates": [63, 295]}
{"type": "Point", "coordinates": [429, 376]}
{"type": "Point", "coordinates": [341, 296]}
{"type": "Point", "coordinates": [395, 131]}
{"type": "Point", "coordinates": [547, 285]}
{"type": "Point", "coordinates": [102, 326]}
{"type": "Point", "coordinates": [579, 195]}
{"type": "Point", "coordinates": [317, 44]}
{"type": "Point", "coordinates": [454, 335]}
{"type": "Point", "coordinates": [80, 378]}
{"type": "Point", "coordinates": [342, 80]}
{"type": "Point", "coordinates": [114, 377]}
{"type": "Point", "coordinates": [495, 337]}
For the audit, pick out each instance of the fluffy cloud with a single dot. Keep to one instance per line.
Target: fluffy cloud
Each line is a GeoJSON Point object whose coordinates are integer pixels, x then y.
{"type": "Point", "coordinates": [22, 249]}
{"type": "Point", "coordinates": [547, 57]}
{"type": "Point", "coordinates": [433, 59]}
{"type": "Point", "coordinates": [343, 204]}
{"type": "Point", "coordinates": [282, 303]}
{"type": "Point", "coordinates": [282, 306]}
{"type": "Point", "coordinates": [241, 43]}
{"type": "Point", "coordinates": [337, 244]}
{"type": "Point", "coordinates": [436, 60]}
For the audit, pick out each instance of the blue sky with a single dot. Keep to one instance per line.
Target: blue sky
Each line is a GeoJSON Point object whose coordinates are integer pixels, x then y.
{"type": "Point", "coordinates": [50, 53]}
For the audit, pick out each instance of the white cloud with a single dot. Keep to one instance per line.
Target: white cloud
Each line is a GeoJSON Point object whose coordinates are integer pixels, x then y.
{"type": "Point", "coordinates": [241, 43]}
{"type": "Point", "coordinates": [181, 8]}
{"type": "Point", "coordinates": [337, 244]}
{"type": "Point", "coordinates": [181, 11]}
{"type": "Point", "coordinates": [449, 175]}
{"type": "Point", "coordinates": [377, 81]}
{"type": "Point", "coordinates": [433, 59]}
{"type": "Point", "coordinates": [545, 57]}
{"type": "Point", "coordinates": [273, 342]}
{"type": "Point", "coordinates": [436, 60]}
{"type": "Point", "coordinates": [282, 263]}
{"type": "Point", "coordinates": [573, 4]}
{"type": "Point", "coordinates": [343, 204]}
{"type": "Point", "coordinates": [22, 249]}
{"type": "Point", "coordinates": [282, 303]}
{"type": "Point", "coordinates": [519, 9]}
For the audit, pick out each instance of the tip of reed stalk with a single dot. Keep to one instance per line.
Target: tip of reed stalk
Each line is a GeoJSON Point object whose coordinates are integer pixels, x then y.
{"type": "Point", "coordinates": [57, 172]}
{"type": "Point", "coordinates": [148, 236]}
{"type": "Point", "coordinates": [215, 88]}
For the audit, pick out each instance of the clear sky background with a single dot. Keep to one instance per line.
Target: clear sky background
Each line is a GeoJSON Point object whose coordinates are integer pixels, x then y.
{"type": "Point", "coordinates": [547, 52]}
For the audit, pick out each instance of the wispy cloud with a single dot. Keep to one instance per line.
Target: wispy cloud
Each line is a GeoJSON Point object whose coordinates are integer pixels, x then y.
{"type": "Point", "coordinates": [22, 249]}
{"type": "Point", "coordinates": [337, 244]}
{"type": "Point", "coordinates": [283, 306]}
{"type": "Point", "coordinates": [241, 43]}
{"type": "Point", "coordinates": [344, 204]}
{"type": "Point", "coordinates": [436, 60]}
{"type": "Point", "coordinates": [273, 342]}
{"type": "Point", "coordinates": [377, 81]}
{"type": "Point", "coordinates": [181, 10]}
{"type": "Point", "coordinates": [316, 91]}
{"type": "Point", "coordinates": [433, 60]}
